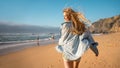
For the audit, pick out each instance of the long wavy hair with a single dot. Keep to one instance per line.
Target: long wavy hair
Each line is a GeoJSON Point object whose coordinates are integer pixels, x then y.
{"type": "Point", "coordinates": [78, 27]}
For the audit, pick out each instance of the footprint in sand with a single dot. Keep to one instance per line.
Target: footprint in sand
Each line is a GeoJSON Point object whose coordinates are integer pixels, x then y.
{"type": "Point", "coordinates": [59, 60]}
{"type": "Point", "coordinates": [85, 61]}
{"type": "Point", "coordinates": [51, 66]}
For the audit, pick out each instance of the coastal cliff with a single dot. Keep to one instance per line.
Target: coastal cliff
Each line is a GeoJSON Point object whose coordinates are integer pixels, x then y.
{"type": "Point", "coordinates": [106, 25]}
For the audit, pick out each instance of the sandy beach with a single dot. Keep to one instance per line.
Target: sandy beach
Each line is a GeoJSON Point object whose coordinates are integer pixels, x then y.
{"type": "Point", "coordinates": [47, 57]}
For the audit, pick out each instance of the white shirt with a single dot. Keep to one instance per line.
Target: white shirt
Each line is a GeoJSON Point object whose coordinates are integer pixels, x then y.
{"type": "Point", "coordinates": [72, 46]}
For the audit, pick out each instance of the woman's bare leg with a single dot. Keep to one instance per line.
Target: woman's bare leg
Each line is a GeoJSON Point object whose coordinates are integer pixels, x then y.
{"type": "Point", "coordinates": [76, 63]}
{"type": "Point", "coordinates": [68, 64]}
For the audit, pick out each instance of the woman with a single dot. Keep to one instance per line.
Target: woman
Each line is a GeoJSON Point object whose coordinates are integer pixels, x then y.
{"type": "Point", "coordinates": [75, 38]}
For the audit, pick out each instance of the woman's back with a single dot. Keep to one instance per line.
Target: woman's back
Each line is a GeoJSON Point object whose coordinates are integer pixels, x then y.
{"type": "Point", "coordinates": [72, 43]}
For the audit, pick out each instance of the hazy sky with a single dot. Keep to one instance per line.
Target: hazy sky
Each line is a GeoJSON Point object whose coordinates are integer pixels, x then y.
{"type": "Point", "coordinates": [49, 12]}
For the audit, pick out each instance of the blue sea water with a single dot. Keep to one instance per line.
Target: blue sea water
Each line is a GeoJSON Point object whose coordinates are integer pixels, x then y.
{"type": "Point", "coordinates": [11, 42]}
{"type": "Point", "coordinates": [22, 37]}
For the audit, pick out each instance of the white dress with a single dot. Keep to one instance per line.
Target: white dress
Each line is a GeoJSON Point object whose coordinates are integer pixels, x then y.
{"type": "Point", "coordinates": [72, 46]}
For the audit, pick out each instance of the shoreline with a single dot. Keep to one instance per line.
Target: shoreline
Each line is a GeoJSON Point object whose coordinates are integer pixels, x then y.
{"type": "Point", "coordinates": [10, 48]}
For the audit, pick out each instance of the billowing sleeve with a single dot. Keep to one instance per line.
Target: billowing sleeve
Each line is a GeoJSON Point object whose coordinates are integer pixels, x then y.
{"type": "Point", "coordinates": [64, 33]}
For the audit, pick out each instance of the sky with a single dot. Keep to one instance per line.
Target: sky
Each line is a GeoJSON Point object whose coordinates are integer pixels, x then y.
{"type": "Point", "coordinates": [49, 12]}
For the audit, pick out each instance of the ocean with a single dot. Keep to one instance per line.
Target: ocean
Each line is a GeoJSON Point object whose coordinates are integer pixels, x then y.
{"type": "Point", "coordinates": [11, 42]}
{"type": "Point", "coordinates": [24, 37]}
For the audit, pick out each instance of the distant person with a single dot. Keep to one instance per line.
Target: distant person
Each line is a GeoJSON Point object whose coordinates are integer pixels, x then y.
{"type": "Point", "coordinates": [38, 41]}
{"type": "Point", "coordinates": [75, 38]}
{"type": "Point", "coordinates": [52, 37]}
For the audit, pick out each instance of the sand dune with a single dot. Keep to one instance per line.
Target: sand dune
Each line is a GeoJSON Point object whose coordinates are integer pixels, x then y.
{"type": "Point", "coordinates": [47, 57]}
